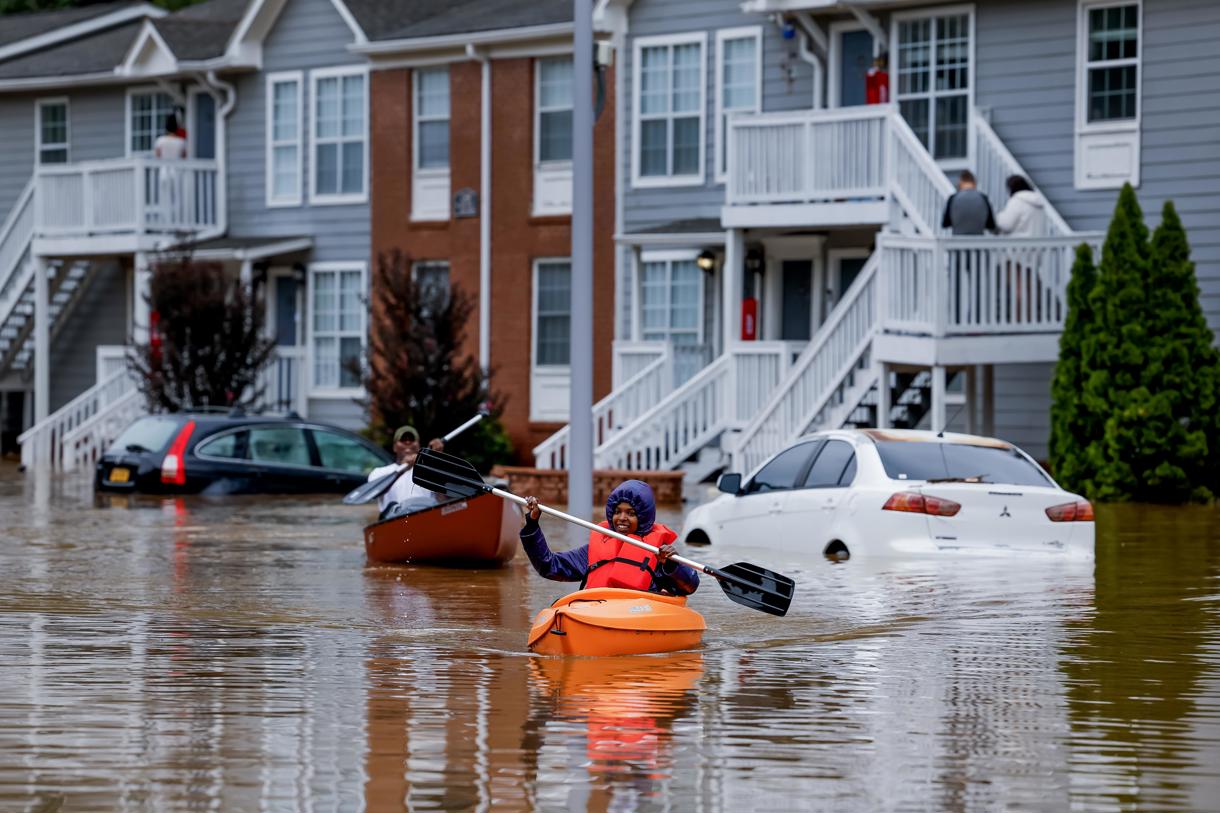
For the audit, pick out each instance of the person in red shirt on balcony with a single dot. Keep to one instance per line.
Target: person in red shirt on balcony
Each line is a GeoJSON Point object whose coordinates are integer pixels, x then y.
{"type": "Point", "coordinates": [877, 82]}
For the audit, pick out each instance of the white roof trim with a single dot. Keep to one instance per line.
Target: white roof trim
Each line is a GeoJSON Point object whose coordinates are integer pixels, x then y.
{"type": "Point", "coordinates": [255, 252]}
{"type": "Point", "coordinates": [80, 29]}
{"type": "Point", "coordinates": [55, 82]}
{"type": "Point", "coordinates": [473, 38]}
{"type": "Point", "coordinates": [683, 239]}
{"type": "Point", "coordinates": [346, 14]}
{"type": "Point", "coordinates": [260, 18]}
{"type": "Point", "coordinates": [160, 60]}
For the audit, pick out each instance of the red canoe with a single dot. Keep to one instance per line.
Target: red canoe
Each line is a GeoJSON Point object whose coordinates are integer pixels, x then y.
{"type": "Point", "coordinates": [479, 531]}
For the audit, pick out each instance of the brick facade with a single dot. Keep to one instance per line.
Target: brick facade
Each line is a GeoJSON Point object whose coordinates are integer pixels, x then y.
{"type": "Point", "coordinates": [517, 237]}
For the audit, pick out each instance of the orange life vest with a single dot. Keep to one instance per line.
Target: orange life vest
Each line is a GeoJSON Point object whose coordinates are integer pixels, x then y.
{"type": "Point", "coordinates": [613, 563]}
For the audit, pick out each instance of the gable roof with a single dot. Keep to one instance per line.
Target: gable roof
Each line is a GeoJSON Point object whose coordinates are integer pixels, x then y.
{"type": "Point", "coordinates": [25, 25]}
{"type": "Point", "coordinates": [474, 16]}
{"type": "Point", "coordinates": [95, 54]}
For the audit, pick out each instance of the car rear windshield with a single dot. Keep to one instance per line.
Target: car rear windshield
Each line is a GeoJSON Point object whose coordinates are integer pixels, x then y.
{"type": "Point", "coordinates": [151, 434]}
{"type": "Point", "coordinates": [905, 460]}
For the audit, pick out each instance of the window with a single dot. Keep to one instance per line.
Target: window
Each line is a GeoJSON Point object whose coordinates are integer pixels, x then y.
{"type": "Point", "coordinates": [933, 89]}
{"type": "Point", "coordinates": [555, 109]}
{"type": "Point", "coordinates": [146, 115]}
{"type": "Point", "coordinates": [343, 453]}
{"type": "Point", "coordinates": [831, 465]}
{"type": "Point", "coordinates": [1111, 62]}
{"type": "Point", "coordinates": [781, 473]}
{"type": "Point", "coordinates": [432, 277]}
{"type": "Point", "coordinates": [52, 131]}
{"type": "Point", "coordinates": [339, 136]}
{"type": "Point", "coordinates": [671, 300]}
{"type": "Point", "coordinates": [669, 86]}
{"type": "Point", "coordinates": [432, 119]}
{"type": "Point", "coordinates": [552, 313]}
{"type": "Point", "coordinates": [280, 445]}
{"type": "Point", "coordinates": [738, 83]}
{"type": "Point", "coordinates": [905, 460]}
{"type": "Point", "coordinates": [229, 446]}
{"type": "Point", "coordinates": [151, 433]}
{"type": "Point", "coordinates": [337, 325]}
{"type": "Point", "coordinates": [284, 157]}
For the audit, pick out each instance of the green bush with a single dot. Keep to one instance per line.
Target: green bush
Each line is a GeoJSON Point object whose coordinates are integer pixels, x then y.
{"type": "Point", "coordinates": [1134, 398]}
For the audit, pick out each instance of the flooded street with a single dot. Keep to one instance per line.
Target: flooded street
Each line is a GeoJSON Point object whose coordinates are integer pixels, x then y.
{"type": "Point", "coordinates": [240, 655]}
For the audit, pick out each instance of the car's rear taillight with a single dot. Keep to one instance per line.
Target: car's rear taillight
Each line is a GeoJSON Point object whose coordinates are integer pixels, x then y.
{"type": "Point", "coordinates": [916, 503]}
{"type": "Point", "coordinates": [173, 467]}
{"type": "Point", "coordinates": [1078, 511]}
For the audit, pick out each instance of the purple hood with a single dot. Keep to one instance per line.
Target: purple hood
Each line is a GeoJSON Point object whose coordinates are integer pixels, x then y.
{"type": "Point", "coordinates": [638, 495]}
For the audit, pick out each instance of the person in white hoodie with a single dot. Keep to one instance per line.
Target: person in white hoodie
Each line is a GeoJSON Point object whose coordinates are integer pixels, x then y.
{"type": "Point", "coordinates": [1025, 213]}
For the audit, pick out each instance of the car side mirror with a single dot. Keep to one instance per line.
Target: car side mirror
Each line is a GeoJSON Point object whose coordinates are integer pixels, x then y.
{"type": "Point", "coordinates": [729, 483]}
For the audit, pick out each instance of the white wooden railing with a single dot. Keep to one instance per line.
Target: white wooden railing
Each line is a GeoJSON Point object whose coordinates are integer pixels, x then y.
{"type": "Point", "coordinates": [67, 437]}
{"type": "Point", "coordinates": [643, 390]}
{"type": "Point", "coordinates": [919, 185]}
{"type": "Point", "coordinates": [283, 382]}
{"type": "Point", "coordinates": [818, 374]}
{"type": "Point", "coordinates": [15, 235]}
{"type": "Point", "coordinates": [958, 286]}
{"type": "Point", "coordinates": [129, 195]}
{"type": "Point", "coordinates": [723, 395]}
{"type": "Point", "coordinates": [994, 164]}
{"type": "Point", "coordinates": [630, 357]}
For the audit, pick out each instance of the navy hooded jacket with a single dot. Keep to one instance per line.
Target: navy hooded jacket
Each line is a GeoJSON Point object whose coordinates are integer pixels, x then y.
{"type": "Point", "coordinates": [572, 565]}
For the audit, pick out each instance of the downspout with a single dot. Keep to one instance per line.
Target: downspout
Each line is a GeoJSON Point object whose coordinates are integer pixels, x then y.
{"type": "Point", "coordinates": [810, 31]}
{"type": "Point", "coordinates": [222, 150]}
{"type": "Point", "coordinates": [484, 209]}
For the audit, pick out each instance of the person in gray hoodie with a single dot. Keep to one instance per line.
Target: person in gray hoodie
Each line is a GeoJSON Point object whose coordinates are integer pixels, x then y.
{"type": "Point", "coordinates": [968, 212]}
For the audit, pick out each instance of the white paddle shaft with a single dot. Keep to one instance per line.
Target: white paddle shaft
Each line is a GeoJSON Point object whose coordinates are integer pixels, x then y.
{"type": "Point", "coordinates": [592, 526]}
{"type": "Point", "coordinates": [462, 428]}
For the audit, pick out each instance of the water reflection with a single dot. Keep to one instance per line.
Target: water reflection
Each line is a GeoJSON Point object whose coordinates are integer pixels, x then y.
{"type": "Point", "coordinates": [241, 655]}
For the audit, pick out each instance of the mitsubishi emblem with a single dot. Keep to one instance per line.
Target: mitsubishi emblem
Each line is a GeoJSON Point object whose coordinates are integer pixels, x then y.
{"type": "Point", "coordinates": [1005, 513]}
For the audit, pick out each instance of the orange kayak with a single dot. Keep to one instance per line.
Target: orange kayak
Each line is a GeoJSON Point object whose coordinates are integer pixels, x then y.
{"type": "Point", "coordinates": [610, 621]}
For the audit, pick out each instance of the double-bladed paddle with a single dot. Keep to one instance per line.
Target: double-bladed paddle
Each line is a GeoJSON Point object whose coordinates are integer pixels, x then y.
{"type": "Point", "coordinates": [747, 584]}
{"type": "Point", "coordinates": [367, 492]}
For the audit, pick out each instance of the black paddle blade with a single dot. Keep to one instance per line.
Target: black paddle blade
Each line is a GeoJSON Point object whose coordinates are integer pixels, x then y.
{"type": "Point", "coordinates": [370, 491]}
{"type": "Point", "coordinates": [447, 474]}
{"type": "Point", "coordinates": [756, 587]}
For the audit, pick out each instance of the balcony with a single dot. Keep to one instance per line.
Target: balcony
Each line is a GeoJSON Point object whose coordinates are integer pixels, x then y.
{"type": "Point", "coordinates": [125, 205]}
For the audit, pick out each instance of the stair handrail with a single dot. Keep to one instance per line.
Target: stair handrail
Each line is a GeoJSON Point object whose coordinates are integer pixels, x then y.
{"type": "Point", "coordinates": [782, 415]}
{"type": "Point", "coordinates": [994, 187]}
{"type": "Point", "coordinates": [635, 436]}
{"type": "Point", "coordinates": [76, 445]}
{"type": "Point", "coordinates": [45, 437]}
{"type": "Point", "coordinates": [549, 454]}
{"type": "Point", "coordinates": [16, 232]}
{"type": "Point", "coordinates": [903, 138]}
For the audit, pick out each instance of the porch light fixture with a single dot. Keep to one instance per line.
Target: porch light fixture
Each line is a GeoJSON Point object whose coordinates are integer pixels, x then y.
{"type": "Point", "coordinates": [706, 260]}
{"type": "Point", "coordinates": [754, 260]}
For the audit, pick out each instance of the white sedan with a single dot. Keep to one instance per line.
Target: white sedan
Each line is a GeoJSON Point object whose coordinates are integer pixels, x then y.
{"type": "Point", "coordinates": [873, 492]}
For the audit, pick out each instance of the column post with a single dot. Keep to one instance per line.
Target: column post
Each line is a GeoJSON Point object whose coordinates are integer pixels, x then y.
{"type": "Point", "coordinates": [42, 340]}
{"type": "Point", "coordinates": [989, 400]}
{"type": "Point", "coordinates": [938, 398]}
{"type": "Point", "coordinates": [883, 397]}
{"type": "Point", "coordinates": [972, 404]}
{"type": "Point", "coordinates": [734, 259]}
{"type": "Point", "coordinates": [140, 310]}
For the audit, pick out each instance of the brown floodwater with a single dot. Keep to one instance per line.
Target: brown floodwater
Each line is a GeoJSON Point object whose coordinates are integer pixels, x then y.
{"type": "Point", "coordinates": [239, 654]}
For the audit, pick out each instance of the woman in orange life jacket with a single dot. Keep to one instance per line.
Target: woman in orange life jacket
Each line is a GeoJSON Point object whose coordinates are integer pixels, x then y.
{"type": "Point", "coordinates": [608, 562]}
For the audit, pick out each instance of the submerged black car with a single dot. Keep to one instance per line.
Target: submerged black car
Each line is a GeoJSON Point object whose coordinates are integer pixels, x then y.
{"type": "Point", "coordinates": [215, 454]}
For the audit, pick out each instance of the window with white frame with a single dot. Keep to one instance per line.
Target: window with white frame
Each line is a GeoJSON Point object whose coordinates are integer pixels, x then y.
{"type": "Point", "coordinates": [555, 109]}
{"type": "Point", "coordinates": [1111, 62]}
{"type": "Point", "coordinates": [738, 83]}
{"type": "Point", "coordinates": [432, 280]}
{"type": "Point", "coordinates": [671, 300]}
{"type": "Point", "coordinates": [147, 114]}
{"type": "Point", "coordinates": [552, 312]}
{"type": "Point", "coordinates": [337, 324]}
{"type": "Point", "coordinates": [52, 131]}
{"type": "Point", "coordinates": [284, 157]}
{"type": "Point", "coordinates": [432, 119]}
{"type": "Point", "coordinates": [339, 135]}
{"type": "Point", "coordinates": [669, 101]}
{"type": "Point", "coordinates": [933, 88]}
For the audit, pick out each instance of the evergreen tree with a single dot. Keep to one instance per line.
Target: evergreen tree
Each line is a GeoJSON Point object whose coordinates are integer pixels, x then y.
{"type": "Point", "coordinates": [1073, 427]}
{"type": "Point", "coordinates": [419, 371]}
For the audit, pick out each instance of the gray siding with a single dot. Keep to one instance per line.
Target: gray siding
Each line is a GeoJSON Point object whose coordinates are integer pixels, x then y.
{"type": "Point", "coordinates": [95, 132]}
{"type": "Point", "coordinates": [308, 35]}
{"type": "Point", "coordinates": [651, 207]}
{"type": "Point", "coordinates": [99, 317]}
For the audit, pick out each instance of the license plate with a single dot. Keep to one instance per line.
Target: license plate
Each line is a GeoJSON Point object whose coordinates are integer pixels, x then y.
{"type": "Point", "coordinates": [120, 475]}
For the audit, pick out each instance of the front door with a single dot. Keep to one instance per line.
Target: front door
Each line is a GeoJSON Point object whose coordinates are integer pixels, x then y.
{"type": "Point", "coordinates": [796, 316]}
{"type": "Point", "coordinates": [201, 135]}
{"type": "Point", "coordinates": [855, 58]}
{"type": "Point", "coordinates": [285, 326]}
{"type": "Point", "coordinates": [843, 272]}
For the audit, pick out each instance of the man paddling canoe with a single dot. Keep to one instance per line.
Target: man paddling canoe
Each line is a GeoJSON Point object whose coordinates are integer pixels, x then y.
{"type": "Point", "coordinates": [404, 495]}
{"type": "Point", "coordinates": [607, 562]}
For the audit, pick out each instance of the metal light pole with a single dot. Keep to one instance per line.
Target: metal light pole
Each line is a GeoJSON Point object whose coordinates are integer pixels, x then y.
{"type": "Point", "coordinates": [580, 437]}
